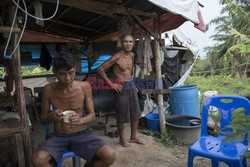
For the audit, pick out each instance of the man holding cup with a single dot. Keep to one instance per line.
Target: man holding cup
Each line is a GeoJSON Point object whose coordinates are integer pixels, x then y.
{"type": "Point", "coordinates": [70, 128]}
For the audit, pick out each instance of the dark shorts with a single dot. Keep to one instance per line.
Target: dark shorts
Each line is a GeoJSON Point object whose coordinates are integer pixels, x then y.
{"type": "Point", "coordinates": [84, 144]}
{"type": "Point", "coordinates": [127, 104]}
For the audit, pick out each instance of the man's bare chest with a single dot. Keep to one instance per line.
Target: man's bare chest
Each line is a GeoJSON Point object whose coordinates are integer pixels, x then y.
{"type": "Point", "coordinates": [67, 97]}
{"type": "Point", "coordinates": [125, 63]}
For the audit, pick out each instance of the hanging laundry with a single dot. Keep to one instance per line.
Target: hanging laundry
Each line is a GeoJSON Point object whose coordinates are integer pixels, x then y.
{"type": "Point", "coordinates": [2, 46]}
{"type": "Point", "coordinates": [140, 51]}
{"type": "Point", "coordinates": [148, 55]}
{"type": "Point", "coordinates": [140, 57]}
{"type": "Point", "coordinates": [75, 51]}
{"type": "Point", "coordinates": [45, 58]}
{"type": "Point", "coordinates": [162, 50]}
{"type": "Point", "coordinates": [58, 47]}
{"type": "Point", "coordinates": [92, 55]}
{"type": "Point", "coordinates": [38, 7]}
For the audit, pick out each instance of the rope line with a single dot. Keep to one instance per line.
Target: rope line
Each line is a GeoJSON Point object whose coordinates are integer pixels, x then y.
{"type": "Point", "coordinates": [226, 68]}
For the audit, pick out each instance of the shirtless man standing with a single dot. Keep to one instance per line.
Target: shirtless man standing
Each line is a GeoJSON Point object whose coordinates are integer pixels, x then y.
{"type": "Point", "coordinates": [126, 99]}
{"type": "Point", "coordinates": [69, 94]}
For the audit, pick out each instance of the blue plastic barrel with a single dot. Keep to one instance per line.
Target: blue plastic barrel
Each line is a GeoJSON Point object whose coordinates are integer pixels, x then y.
{"type": "Point", "coordinates": [184, 100]}
{"type": "Point", "coordinates": [153, 121]}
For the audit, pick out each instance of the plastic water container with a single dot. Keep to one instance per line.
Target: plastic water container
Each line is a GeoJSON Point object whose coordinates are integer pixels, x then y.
{"type": "Point", "coordinates": [184, 100]}
{"type": "Point", "coordinates": [153, 121]}
{"type": "Point", "coordinates": [184, 127]}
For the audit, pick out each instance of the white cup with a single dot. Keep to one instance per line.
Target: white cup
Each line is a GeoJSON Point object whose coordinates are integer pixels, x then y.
{"type": "Point", "coordinates": [66, 115]}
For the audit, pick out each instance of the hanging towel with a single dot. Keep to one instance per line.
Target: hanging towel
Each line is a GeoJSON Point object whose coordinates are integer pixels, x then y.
{"type": "Point", "coordinates": [45, 58]}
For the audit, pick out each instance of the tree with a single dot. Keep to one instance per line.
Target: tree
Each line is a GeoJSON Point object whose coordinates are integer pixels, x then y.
{"type": "Point", "coordinates": [234, 17]}
{"type": "Point", "coordinates": [240, 123]}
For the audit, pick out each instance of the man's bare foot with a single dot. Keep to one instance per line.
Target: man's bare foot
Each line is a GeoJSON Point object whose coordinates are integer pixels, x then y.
{"type": "Point", "coordinates": [136, 140]}
{"type": "Point", "coordinates": [125, 143]}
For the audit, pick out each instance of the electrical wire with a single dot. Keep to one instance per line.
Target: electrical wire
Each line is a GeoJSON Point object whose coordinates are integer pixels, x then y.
{"type": "Point", "coordinates": [25, 22]}
{"type": "Point", "coordinates": [13, 24]}
{"type": "Point", "coordinates": [209, 71]}
{"type": "Point", "coordinates": [25, 11]}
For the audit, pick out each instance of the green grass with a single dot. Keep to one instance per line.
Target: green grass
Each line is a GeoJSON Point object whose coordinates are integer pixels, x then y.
{"type": "Point", "coordinates": [224, 85]}
{"type": "Point", "coordinates": [166, 138]}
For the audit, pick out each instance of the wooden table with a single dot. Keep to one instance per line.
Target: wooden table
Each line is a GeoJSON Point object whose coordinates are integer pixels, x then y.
{"type": "Point", "coordinates": [13, 129]}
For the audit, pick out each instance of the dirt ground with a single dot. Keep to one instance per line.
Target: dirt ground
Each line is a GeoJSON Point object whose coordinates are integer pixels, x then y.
{"type": "Point", "coordinates": [152, 154]}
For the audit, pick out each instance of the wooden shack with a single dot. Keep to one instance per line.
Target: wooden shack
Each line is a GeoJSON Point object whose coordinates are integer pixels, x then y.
{"type": "Point", "coordinates": [86, 21]}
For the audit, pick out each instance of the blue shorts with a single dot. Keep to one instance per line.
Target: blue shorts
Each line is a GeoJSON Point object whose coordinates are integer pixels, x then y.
{"type": "Point", "coordinates": [84, 144]}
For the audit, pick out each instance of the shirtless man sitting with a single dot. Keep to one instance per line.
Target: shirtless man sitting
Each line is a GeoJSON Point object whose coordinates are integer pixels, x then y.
{"type": "Point", "coordinates": [126, 98]}
{"type": "Point", "coordinates": [69, 94]}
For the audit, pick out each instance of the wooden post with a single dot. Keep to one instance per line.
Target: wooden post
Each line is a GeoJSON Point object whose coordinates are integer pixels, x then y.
{"type": "Point", "coordinates": [159, 83]}
{"type": "Point", "coordinates": [20, 94]}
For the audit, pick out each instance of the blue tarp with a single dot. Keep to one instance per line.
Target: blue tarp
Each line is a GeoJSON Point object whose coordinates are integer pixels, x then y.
{"type": "Point", "coordinates": [36, 49]}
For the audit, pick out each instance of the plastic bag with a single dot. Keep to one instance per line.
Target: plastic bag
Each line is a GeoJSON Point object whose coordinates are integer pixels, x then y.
{"type": "Point", "coordinates": [149, 105]}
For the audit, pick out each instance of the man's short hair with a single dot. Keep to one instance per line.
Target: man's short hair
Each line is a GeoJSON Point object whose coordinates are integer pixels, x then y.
{"type": "Point", "coordinates": [125, 35]}
{"type": "Point", "coordinates": [64, 61]}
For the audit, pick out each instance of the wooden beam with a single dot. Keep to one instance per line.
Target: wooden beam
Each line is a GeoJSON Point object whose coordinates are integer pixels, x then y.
{"type": "Point", "coordinates": [99, 7]}
{"type": "Point", "coordinates": [58, 17]}
{"type": "Point", "coordinates": [7, 29]}
{"type": "Point", "coordinates": [159, 84]}
{"type": "Point", "coordinates": [154, 91]}
{"type": "Point", "coordinates": [144, 26]}
{"type": "Point", "coordinates": [111, 29]}
{"type": "Point", "coordinates": [88, 22]}
{"type": "Point", "coordinates": [100, 16]}
{"type": "Point", "coordinates": [126, 2]}
{"type": "Point", "coordinates": [20, 93]}
{"type": "Point", "coordinates": [94, 19]}
{"type": "Point", "coordinates": [74, 25]}
{"type": "Point", "coordinates": [176, 47]}
{"type": "Point", "coordinates": [19, 149]}
{"type": "Point", "coordinates": [92, 34]}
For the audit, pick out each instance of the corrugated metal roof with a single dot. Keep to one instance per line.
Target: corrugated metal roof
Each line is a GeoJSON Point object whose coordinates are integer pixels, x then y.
{"type": "Point", "coordinates": [93, 19]}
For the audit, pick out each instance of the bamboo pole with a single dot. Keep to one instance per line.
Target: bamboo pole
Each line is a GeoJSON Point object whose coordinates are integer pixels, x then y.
{"type": "Point", "coordinates": [20, 94]}
{"type": "Point", "coordinates": [158, 75]}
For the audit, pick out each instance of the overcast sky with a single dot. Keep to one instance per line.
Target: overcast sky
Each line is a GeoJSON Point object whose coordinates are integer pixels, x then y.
{"type": "Point", "coordinates": [210, 11]}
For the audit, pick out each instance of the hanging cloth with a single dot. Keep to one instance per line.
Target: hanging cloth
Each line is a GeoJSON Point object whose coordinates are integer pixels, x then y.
{"type": "Point", "coordinates": [140, 57]}
{"type": "Point", "coordinates": [38, 6]}
{"type": "Point", "coordinates": [140, 50]}
{"type": "Point", "coordinates": [58, 47]}
{"type": "Point", "coordinates": [149, 105]}
{"type": "Point", "coordinates": [45, 58]}
{"type": "Point", "coordinates": [148, 55]}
